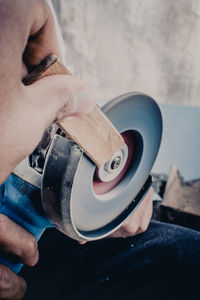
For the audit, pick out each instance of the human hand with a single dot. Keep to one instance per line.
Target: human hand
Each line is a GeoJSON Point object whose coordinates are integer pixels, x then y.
{"type": "Point", "coordinates": [139, 221]}
{"type": "Point", "coordinates": [22, 245]}
{"type": "Point", "coordinates": [28, 36]}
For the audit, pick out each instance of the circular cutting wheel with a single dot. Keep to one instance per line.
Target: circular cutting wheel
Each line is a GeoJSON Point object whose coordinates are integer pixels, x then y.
{"type": "Point", "coordinates": [97, 205]}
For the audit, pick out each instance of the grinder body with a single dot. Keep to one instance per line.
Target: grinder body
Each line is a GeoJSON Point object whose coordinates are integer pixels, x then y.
{"type": "Point", "coordinates": [69, 191]}
{"type": "Point", "coordinates": [64, 195]}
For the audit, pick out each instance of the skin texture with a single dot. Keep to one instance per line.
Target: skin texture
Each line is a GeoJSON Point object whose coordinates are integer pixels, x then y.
{"type": "Point", "coordinates": [27, 35]}
{"type": "Point", "coordinates": [139, 221]}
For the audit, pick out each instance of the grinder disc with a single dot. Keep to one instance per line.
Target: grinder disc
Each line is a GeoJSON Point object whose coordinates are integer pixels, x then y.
{"type": "Point", "coordinates": [96, 208]}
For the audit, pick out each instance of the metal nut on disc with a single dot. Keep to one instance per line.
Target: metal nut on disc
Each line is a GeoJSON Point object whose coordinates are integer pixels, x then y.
{"type": "Point", "coordinates": [112, 168]}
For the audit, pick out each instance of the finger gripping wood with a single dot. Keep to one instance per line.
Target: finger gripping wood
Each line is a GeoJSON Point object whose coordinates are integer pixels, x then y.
{"type": "Point", "coordinates": [93, 132]}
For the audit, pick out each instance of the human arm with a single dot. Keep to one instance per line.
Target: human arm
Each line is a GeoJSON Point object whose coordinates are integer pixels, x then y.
{"type": "Point", "coordinates": [27, 35]}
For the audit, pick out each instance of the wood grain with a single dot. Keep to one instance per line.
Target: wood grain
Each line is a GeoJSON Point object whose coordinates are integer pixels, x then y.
{"type": "Point", "coordinates": [180, 195]}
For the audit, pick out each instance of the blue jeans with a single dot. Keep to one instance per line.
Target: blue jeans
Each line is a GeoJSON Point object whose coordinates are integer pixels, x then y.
{"type": "Point", "coordinates": [162, 263]}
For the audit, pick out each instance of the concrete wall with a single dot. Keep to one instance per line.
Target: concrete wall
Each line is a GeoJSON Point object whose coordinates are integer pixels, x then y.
{"type": "Point", "coordinates": [117, 46]}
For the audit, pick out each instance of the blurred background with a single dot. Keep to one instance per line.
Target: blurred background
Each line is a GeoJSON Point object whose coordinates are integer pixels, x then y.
{"type": "Point", "coordinates": [117, 46]}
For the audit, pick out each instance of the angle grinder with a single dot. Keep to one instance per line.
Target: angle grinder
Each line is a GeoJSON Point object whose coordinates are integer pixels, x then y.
{"type": "Point", "coordinates": [86, 189]}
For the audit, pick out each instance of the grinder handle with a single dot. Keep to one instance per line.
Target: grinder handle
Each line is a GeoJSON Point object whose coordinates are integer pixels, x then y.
{"type": "Point", "coordinates": [21, 202]}
{"type": "Point", "coordinates": [93, 132]}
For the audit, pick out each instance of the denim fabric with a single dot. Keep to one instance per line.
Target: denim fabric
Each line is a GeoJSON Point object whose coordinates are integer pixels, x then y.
{"type": "Point", "coordinates": [162, 263]}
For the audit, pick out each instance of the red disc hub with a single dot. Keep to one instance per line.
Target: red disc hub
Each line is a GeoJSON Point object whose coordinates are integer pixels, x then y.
{"type": "Point", "coordinates": [101, 187]}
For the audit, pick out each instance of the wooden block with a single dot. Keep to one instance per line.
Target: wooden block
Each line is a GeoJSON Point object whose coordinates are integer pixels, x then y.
{"type": "Point", "coordinates": [93, 132]}
{"type": "Point", "coordinates": [181, 203]}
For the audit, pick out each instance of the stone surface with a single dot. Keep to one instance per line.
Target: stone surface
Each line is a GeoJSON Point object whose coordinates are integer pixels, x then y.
{"type": "Point", "coordinates": [118, 46]}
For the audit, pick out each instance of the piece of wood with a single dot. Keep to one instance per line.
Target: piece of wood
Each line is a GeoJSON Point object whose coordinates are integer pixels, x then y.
{"type": "Point", "coordinates": [181, 203]}
{"type": "Point", "coordinates": [93, 132]}
{"type": "Point", "coordinates": [180, 195]}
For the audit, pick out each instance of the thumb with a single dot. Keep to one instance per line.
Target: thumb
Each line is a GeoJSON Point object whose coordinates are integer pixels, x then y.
{"type": "Point", "coordinates": [59, 96]}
